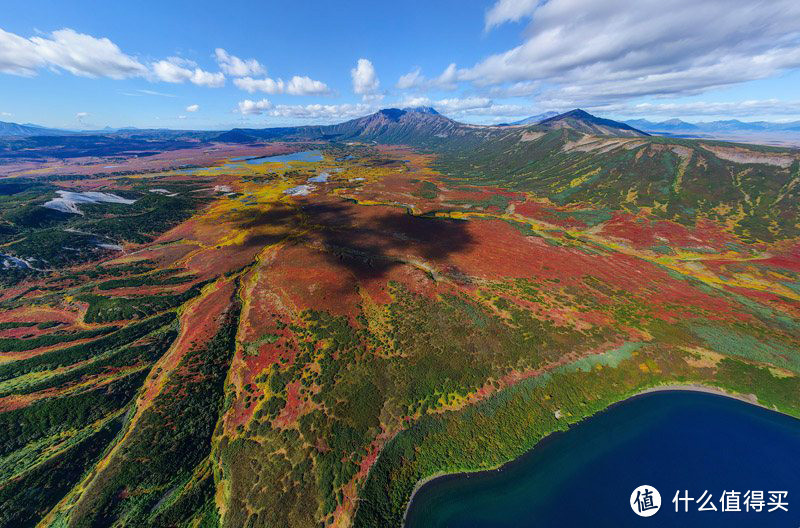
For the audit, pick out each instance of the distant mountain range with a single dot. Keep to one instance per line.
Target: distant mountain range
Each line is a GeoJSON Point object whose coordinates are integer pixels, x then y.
{"type": "Point", "coordinates": [389, 123]}
{"type": "Point", "coordinates": [398, 125]}
{"type": "Point", "coordinates": [14, 129]}
{"type": "Point", "coordinates": [730, 125]}
{"type": "Point", "coordinates": [424, 126]}
{"type": "Point", "coordinates": [30, 130]}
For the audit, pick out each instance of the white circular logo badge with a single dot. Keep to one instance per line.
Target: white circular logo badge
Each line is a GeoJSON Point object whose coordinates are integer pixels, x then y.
{"type": "Point", "coordinates": [645, 501]}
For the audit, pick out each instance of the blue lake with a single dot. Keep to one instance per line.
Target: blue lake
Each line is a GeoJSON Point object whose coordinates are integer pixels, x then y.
{"type": "Point", "coordinates": [308, 156]}
{"type": "Point", "coordinates": [675, 440]}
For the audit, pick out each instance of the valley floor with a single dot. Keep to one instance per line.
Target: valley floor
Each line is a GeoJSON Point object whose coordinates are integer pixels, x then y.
{"type": "Point", "coordinates": [301, 343]}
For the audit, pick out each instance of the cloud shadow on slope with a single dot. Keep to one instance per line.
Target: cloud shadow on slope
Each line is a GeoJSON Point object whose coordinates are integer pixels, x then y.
{"type": "Point", "coordinates": [367, 245]}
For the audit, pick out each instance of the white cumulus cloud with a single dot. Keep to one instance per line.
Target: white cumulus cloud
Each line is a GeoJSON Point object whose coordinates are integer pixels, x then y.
{"type": "Point", "coordinates": [179, 70]}
{"type": "Point", "coordinates": [468, 106]}
{"type": "Point", "coordinates": [296, 86]}
{"type": "Point", "coordinates": [455, 105]}
{"type": "Point", "coordinates": [365, 80]}
{"type": "Point", "coordinates": [248, 107]}
{"type": "Point", "coordinates": [236, 67]}
{"type": "Point", "coordinates": [416, 80]}
{"type": "Point", "coordinates": [317, 112]}
{"type": "Point", "coordinates": [204, 78]}
{"type": "Point", "coordinates": [590, 51]}
{"type": "Point", "coordinates": [193, 108]}
{"type": "Point", "coordinates": [270, 86]}
{"type": "Point", "coordinates": [306, 86]}
{"type": "Point", "coordinates": [509, 11]}
{"type": "Point", "coordinates": [68, 50]}
{"type": "Point", "coordinates": [412, 79]}
{"type": "Point", "coordinates": [18, 55]}
{"type": "Point", "coordinates": [320, 111]}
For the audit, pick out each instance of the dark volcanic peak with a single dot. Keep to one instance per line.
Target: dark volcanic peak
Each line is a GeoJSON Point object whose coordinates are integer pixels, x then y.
{"type": "Point", "coordinates": [422, 110]}
{"type": "Point", "coordinates": [584, 122]}
{"type": "Point", "coordinates": [396, 113]}
{"type": "Point", "coordinates": [395, 125]}
{"type": "Point", "coordinates": [577, 114]}
{"type": "Point", "coordinates": [235, 136]}
{"type": "Point", "coordinates": [392, 114]}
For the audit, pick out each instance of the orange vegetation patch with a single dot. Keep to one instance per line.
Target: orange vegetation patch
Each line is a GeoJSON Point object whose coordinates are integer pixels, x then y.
{"type": "Point", "coordinates": [38, 314]}
{"type": "Point", "coordinates": [199, 322]}
{"type": "Point", "coordinates": [788, 259]}
{"type": "Point", "coordinates": [546, 212]}
{"type": "Point", "coordinates": [18, 401]}
{"type": "Point", "coordinates": [498, 251]}
{"type": "Point", "coordinates": [25, 354]}
{"type": "Point", "coordinates": [164, 256]}
{"type": "Point", "coordinates": [326, 285]}
{"type": "Point", "coordinates": [263, 327]}
{"type": "Point", "coordinates": [766, 297]}
{"type": "Point", "coordinates": [641, 231]}
{"type": "Point", "coordinates": [216, 261]}
{"type": "Point", "coordinates": [479, 194]}
{"type": "Point", "coordinates": [157, 289]}
{"type": "Point", "coordinates": [534, 209]}
{"type": "Point", "coordinates": [297, 404]}
{"type": "Point", "coordinates": [415, 159]}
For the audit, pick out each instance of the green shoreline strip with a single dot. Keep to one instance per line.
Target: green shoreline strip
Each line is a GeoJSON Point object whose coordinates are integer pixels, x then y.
{"type": "Point", "coordinates": [513, 421]}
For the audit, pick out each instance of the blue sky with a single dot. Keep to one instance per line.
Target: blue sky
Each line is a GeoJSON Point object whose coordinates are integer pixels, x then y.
{"type": "Point", "coordinates": [182, 64]}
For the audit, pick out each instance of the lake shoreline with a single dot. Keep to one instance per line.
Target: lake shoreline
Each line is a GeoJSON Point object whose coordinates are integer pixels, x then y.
{"type": "Point", "coordinates": [667, 387]}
